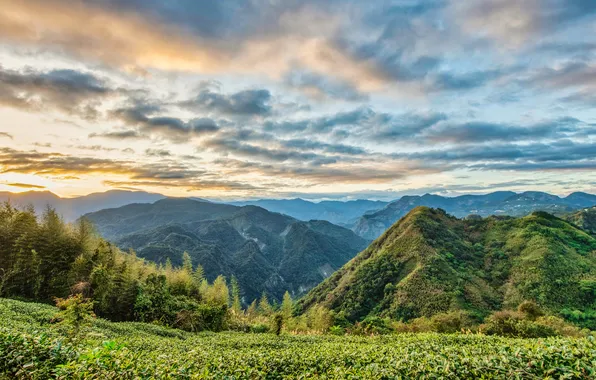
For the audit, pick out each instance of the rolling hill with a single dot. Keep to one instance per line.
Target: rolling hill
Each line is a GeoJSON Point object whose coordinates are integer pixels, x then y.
{"type": "Point", "coordinates": [430, 262]}
{"type": "Point", "coordinates": [372, 225]}
{"type": "Point", "coordinates": [265, 251]}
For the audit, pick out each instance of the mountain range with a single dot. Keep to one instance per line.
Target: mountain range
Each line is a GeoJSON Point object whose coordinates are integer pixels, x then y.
{"type": "Point", "coordinates": [372, 225]}
{"type": "Point", "coordinates": [72, 208]}
{"type": "Point", "coordinates": [336, 212]}
{"type": "Point", "coordinates": [430, 262]}
{"type": "Point", "coordinates": [266, 251]}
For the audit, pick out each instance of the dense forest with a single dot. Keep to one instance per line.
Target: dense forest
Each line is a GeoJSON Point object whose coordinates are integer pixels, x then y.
{"type": "Point", "coordinates": [44, 258]}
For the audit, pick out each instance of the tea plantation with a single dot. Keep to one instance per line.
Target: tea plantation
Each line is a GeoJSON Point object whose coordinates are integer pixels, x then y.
{"type": "Point", "coordinates": [31, 347]}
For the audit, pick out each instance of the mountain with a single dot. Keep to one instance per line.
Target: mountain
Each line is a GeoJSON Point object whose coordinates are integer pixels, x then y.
{"type": "Point", "coordinates": [372, 225]}
{"type": "Point", "coordinates": [585, 219]}
{"type": "Point", "coordinates": [430, 262]}
{"type": "Point", "coordinates": [72, 208]}
{"type": "Point", "coordinates": [265, 251]}
{"type": "Point", "coordinates": [336, 212]}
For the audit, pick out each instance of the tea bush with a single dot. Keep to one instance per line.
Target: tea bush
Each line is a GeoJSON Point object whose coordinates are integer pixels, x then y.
{"type": "Point", "coordinates": [31, 349]}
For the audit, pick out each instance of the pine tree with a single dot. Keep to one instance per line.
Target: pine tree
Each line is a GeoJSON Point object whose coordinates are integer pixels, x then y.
{"type": "Point", "coordinates": [287, 306]}
{"type": "Point", "coordinates": [187, 262]}
{"type": "Point", "coordinates": [236, 304]}
{"type": "Point", "coordinates": [264, 306]}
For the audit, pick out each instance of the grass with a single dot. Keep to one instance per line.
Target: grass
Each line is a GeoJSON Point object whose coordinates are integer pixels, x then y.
{"type": "Point", "coordinates": [30, 347]}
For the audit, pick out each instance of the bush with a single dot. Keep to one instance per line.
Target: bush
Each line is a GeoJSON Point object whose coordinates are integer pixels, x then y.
{"type": "Point", "coordinates": [75, 315]}
{"type": "Point", "coordinates": [259, 328]}
{"type": "Point", "coordinates": [513, 324]}
{"type": "Point", "coordinates": [337, 330]}
{"type": "Point", "coordinates": [372, 326]}
{"type": "Point", "coordinates": [204, 317]}
{"type": "Point", "coordinates": [531, 310]}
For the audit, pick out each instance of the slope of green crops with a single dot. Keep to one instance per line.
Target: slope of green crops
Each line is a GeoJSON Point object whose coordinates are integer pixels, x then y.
{"type": "Point", "coordinates": [31, 348]}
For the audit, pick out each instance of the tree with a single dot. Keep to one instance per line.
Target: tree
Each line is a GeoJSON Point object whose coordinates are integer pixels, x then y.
{"type": "Point", "coordinates": [187, 262]}
{"type": "Point", "coordinates": [76, 313]}
{"type": "Point", "coordinates": [264, 306]}
{"type": "Point", "coordinates": [278, 322]}
{"type": "Point", "coordinates": [287, 306]}
{"type": "Point", "coordinates": [236, 304]}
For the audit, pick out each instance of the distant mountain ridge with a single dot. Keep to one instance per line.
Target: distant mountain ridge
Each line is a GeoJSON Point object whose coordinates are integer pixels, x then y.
{"type": "Point", "coordinates": [266, 251]}
{"type": "Point", "coordinates": [497, 203]}
{"type": "Point", "coordinates": [72, 208]}
{"type": "Point", "coordinates": [337, 212]}
{"type": "Point", "coordinates": [430, 262]}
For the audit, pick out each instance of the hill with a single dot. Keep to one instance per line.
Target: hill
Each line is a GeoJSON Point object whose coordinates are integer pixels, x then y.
{"type": "Point", "coordinates": [430, 262]}
{"type": "Point", "coordinates": [265, 251]}
{"type": "Point", "coordinates": [585, 219]}
{"type": "Point", "coordinates": [336, 212]}
{"type": "Point", "coordinates": [72, 208]}
{"type": "Point", "coordinates": [372, 225]}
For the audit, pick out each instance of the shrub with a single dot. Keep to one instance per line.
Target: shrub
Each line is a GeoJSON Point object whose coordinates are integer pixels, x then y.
{"type": "Point", "coordinates": [531, 310]}
{"type": "Point", "coordinates": [278, 321]}
{"type": "Point", "coordinates": [513, 324]}
{"type": "Point", "coordinates": [337, 330]}
{"type": "Point", "coordinates": [372, 326]}
{"type": "Point", "coordinates": [75, 315]}
{"type": "Point", "coordinates": [259, 328]}
{"type": "Point", "coordinates": [203, 317]}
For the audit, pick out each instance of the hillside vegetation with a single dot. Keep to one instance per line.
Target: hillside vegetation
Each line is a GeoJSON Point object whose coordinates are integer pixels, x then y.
{"type": "Point", "coordinates": [266, 251]}
{"type": "Point", "coordinates": [372, 225]}
{"type": "Point", "coordinates": [32, 348]}
{"type": "Point", "coordinates": [585, 219]}
{"type": "Point", "coordinates": [430, 262]}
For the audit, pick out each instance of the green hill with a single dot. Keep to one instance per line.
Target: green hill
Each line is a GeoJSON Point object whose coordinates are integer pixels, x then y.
{"type": "Point", "coordinates": [430, 262]}
{"type": "Point", "coordinates": [585, 219]}
{"type": "Point", "coordinates": [265, 251]}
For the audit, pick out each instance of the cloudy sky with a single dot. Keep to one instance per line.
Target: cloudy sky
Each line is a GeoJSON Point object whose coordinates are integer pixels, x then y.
{"type": "Point", "coordinates": [282, 98]}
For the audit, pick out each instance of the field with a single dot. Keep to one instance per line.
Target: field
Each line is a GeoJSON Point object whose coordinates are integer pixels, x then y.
{"type": "Point", "coordinates": [31, 347]}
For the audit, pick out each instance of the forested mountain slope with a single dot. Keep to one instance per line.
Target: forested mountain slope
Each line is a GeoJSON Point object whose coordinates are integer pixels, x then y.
{"type": "Point", "coordinates": [266, 252]}
{"type": "Point", "coordinates": [585, 219]}
{"type": "Point", "coordinates": [430, 262]}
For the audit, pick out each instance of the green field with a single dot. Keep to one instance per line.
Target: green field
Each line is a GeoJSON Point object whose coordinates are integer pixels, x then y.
{"type": "Point", "coordinates": [31, 347]}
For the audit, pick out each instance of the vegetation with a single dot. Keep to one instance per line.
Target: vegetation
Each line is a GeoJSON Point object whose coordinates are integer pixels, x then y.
{"type": "Point", "coordinates": [46, 258]}
{"type": "Point", "coordinates": [430, 263]}
{"type": "Point", "coordinates": [31, 349]}
{"type": "Point", "coordinates": [264, 251]}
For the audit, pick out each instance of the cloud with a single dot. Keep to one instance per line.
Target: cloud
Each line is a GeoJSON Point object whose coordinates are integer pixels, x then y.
{"type": "Point", "coordinates": [243, 103]}
{"type": "Point", "coordinates": [517, 22]}
{"type": "Point", "coordinates": [157, 153]}
{"type": "Point", "coordinates": [25, 185]}
{"type": "Point", "coordinates": [323, 87]}
{"type": "Point", "coordinates": [7, 135]}
{"type": "Point", "coordinates": [472, 132]}
{"type": "Point", "coordinates": [69, 91]}
{"type": "Point", "coordinates": [171, 128]}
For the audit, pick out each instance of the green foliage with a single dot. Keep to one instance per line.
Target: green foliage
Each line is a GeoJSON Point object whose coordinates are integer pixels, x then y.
{"type": "Point", "coordinates": [75, 315]}
{"type": "Point", "coordinates": [30, 349]}
{"type": "Point", "coordinates": [278, 321]}
{"type": "Point", "coordinates": [430, 263]}
{"type": "Point", "coordinates": [46, 258]}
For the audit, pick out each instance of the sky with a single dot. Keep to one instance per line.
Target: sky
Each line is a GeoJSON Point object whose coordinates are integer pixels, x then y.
{"type": "Point", "coordinates": [336, 99]}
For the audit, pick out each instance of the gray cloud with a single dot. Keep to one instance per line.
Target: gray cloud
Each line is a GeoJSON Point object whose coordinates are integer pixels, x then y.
{"type": "Point", "coordinates": [68, 91]}
{"type": "Point", "coordinates": [170, 128]}
{"type": "Point", "coordinates": [7, 135]}
{"type": "Point", "coordinates": [243, 103]}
